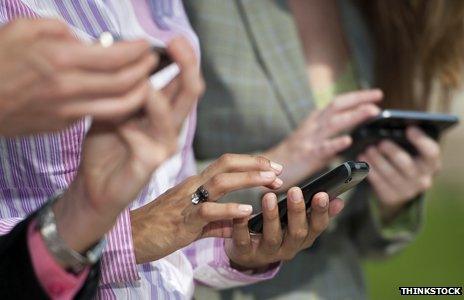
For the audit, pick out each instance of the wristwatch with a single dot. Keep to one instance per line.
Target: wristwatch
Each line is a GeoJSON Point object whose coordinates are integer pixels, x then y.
{"type": "Point", "coordinates": [71, 259]}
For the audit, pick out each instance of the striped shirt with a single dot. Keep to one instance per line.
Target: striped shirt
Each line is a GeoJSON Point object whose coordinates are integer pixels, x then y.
{"type": "Point", "coordinates": [34, 168]}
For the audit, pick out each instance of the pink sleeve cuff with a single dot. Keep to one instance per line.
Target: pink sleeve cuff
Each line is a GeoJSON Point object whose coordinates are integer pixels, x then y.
{"type": "Point", "coordinates": [57, 282]}
{"type": "Point", "coordinates": [219, 274]}
{"type": "Point", "coordinates": [118, 263]}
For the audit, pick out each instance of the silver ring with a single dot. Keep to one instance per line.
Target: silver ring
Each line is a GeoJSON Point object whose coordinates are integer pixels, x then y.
{"type": "Point", "coordinates": [200, 195]}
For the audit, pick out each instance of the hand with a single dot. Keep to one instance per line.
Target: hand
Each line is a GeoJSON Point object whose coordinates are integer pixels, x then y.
{"type": "Point", "coordinates": [119, 158]}
{"type": "Point", "coordinates": [172, 222]}
{"type": "Point", "coordinates": [320, 137]}
{"type": "Point", "coordinates": [396, 176]}
{"type": "Point", "coordinates": [258, 251]}
{"type": "Point", "coordinates": [48, 79]}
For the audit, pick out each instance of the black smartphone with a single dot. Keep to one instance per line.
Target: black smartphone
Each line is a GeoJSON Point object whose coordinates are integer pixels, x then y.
{"type": "Point", "coordinates": [392, 124]}
{"type": "Point", "coordinates": [334, 183]}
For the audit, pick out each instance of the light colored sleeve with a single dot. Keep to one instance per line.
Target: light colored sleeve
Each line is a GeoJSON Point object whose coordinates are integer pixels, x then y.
{"type": "Point", "coordinates": [7, 224]}
{"type": "Point", "coordinates": [118, 260]}
{"type": "Point", "coordinates": [56, 281]}
{"type": "Point", "coordinates": [211, 266]}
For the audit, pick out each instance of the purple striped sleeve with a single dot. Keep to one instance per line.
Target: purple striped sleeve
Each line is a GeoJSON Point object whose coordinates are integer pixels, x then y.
{"type": "Point", "coordinates": [211, 266]}
{"type": "Point", "coordinates": [7, 224]}
{"type": "Point", "coordinates": [118, 261]}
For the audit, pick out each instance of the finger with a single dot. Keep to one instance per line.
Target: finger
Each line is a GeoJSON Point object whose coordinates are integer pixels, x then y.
{"type": "Point", "coordinates": [331, 147]}
{"type": "Point", "coordinates": [156, 136]}
{"type": "Point", "coordinates": [348, 119]}
{"type": "Point", "coordinates": [271, 239]}
{"type": "Point", "coordinates": [335, 207]}
{"type": "Point", "coordinates": [94, 57]}
{"type": "Point", "coordinates": [426, 146]}
{"type": "Point", "coordinates": [90, 85]}
{"type": "Point", "coordinates": [224, 183]}
{"type": "Point", "coordinates": [109, 109]}
{"type": "Point", "coordinates": [381, 164]}
{"type": "Point", "coordinates": [297, 229]}
{"type": "Point", "coordinates": [319, 217]}
{"type": "Point", "coordinates": [204, 213]}
{"type": "Point", "coordinates": [241, 163]}
{"type": "Point", "coordinates": [381, 186]}
{"type": "Point", "coordinates": [191, 83]}
{"type": "Point", "coordinates": [353, 99]}
{"type": "Point", "coordinates": [241, 236]}
{"type": "Point", "coordinates": [400, 159]}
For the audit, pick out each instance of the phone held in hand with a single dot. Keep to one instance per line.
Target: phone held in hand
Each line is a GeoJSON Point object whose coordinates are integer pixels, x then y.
{"type": "Point", "coordinates": [334, 183]}
{"type": "Point", "coordinates": [392, 124]}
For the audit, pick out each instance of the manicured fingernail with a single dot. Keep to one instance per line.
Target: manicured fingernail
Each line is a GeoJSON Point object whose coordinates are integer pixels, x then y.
{"type": "Point", "coordinates": [267, 174]}
{"type": "Point", "coordinates": [245, 208]}
{"type": "Point", "coordinates": [323, 202]}
{"type": "Point", "coordinates": [296, 196]}
{"type": "Point", "coordinates": [271, 202]}
{"type": "Point", "coordinates": [277, 167]}
{"type": "Point", "coordinates": [277, 182]}
{"type": "Point", "coordinates": [374, 110]}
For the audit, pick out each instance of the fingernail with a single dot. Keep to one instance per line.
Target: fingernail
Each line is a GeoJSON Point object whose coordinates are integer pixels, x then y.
{"type": "Point", "coordinates": [267, 174]}
{"type": "Point", "coordinates": [271, 202]}
{"type": "Point", "coordinates": [323, 202]}
{"type": "Point", "coordinates": [277, 167]}
{"type": "Point", "coordinates": [245, 208]}
{"type": "Point", "coordinates": [277, 182]}
{"type": "Point", "coordinates": [296, 196]}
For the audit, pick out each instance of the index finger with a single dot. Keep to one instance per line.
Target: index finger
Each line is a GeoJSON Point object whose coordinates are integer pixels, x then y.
{"type": "Point", "coordinates": [352, 99]}
{"type": "Point", "coordinates": [97, 58]}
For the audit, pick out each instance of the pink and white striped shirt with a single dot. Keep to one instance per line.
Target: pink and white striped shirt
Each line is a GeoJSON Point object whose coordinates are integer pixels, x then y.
{"type": "Point", "coordinates": [34, 168]}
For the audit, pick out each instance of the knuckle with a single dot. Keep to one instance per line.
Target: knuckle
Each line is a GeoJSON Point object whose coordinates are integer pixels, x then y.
{"type": "Point", "coordinates": [299, 234]}
{"type": "Point", "coordinates": [219, 181]}
{"type": "Point", "coordinates": [241, 243]}
{"type": "Point", "coordinates": [20, 24]}
{"type": "Point", "coordinates": [226, 160]}
{"type": "Point", "coordinates": [60, 59]}
{"type": "Point", "coordinates": [262, 162]}
{"type": "Point", "coordinates": [273, 242]}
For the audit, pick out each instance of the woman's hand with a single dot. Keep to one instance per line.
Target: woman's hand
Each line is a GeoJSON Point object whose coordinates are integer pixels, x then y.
{"type": "Point", "coordinates": [247, 251]}
{"type": "Point", "coordinates": [320, 137]}
{"type": "Point", "coordinates": [119, 157]}
{"type": "Point", "coordinates": [396, 176]}
{"type": "Point", "coordinates": [49, 79]}
{"type": "Point", "coordinates": [172, 222]}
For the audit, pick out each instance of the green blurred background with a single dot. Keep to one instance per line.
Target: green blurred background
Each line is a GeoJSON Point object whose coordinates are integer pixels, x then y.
{"type": "Point", "coordinates": [436, 258]}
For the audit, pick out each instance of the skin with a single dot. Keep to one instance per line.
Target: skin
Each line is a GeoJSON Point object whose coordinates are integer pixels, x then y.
{"type": "Point", "coordinates": [395, 176]}
{"type": "Point", "coordinates": [49, 79]}
{"type": "Point", "coordinates": [118, 158]}
{"type": "Point", "coordinates": [172, 222]}
{"type": "Point", "coordinates": [321, 137]}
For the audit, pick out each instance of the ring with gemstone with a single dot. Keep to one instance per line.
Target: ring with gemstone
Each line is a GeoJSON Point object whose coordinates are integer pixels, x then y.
{"type": "Point", "coordinates": [200, 195]}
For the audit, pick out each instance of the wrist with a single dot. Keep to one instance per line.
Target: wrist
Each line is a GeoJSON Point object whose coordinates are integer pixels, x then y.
{"type": "Point", "coordinates": [77, 223]}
